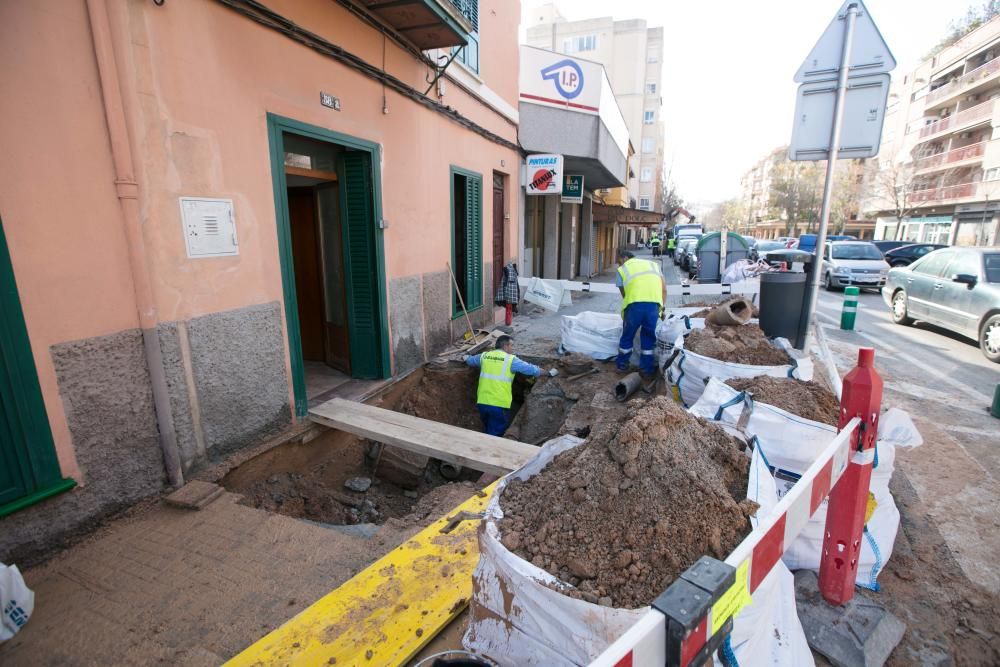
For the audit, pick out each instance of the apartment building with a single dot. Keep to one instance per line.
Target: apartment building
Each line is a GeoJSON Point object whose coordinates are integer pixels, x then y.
{"type": "Point", "coordinates": [938, 173]}
{"type": "Point", "coordinates": [755, 188]}
{"type": "Point", "coordinates": [632, 54]}
{"type": "Point", "coordinates": [212, 212]}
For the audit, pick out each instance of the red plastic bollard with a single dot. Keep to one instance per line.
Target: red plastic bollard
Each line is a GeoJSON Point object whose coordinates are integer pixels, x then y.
{"type": "Point", "coordinates": [509, 316]}
{"type": "Point", "coordinates": [845, 516]}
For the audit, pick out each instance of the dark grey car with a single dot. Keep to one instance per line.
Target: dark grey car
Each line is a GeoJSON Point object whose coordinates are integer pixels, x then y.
{"type": "Point", "coordinates": [955, 288]}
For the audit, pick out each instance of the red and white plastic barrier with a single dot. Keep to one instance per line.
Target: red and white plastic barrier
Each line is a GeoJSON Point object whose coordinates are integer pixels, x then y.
{"type": "Point", "coordinates": [842, 472]}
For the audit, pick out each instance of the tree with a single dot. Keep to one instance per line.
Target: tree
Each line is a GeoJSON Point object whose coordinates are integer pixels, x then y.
{"type": "Point", "coordinates": [671, 199]}
{"type": "Point", "coordinates": [975, 16]}
{"type": "Point", "coordinates": [796, 191]}
{"type": "Point", "coordinates": [848, 186]}
{"type": "Point", "coordinates": [890, 187]}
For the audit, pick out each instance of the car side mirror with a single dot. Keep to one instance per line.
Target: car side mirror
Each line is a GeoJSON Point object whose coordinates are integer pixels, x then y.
{"type": "Point", "coordinates": [965, 278]}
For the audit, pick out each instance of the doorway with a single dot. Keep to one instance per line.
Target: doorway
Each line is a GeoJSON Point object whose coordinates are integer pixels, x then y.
{"type": "Point", "coordinates": [499, 230]}
{"type": "Point", "coordinates": [326, 194]}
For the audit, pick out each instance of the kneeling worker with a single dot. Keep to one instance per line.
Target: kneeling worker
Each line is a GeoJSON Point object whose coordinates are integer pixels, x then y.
{"type": "Point", "coordinates": [641, 283]}
{"type": "Point", "coordinates": [496, 382]}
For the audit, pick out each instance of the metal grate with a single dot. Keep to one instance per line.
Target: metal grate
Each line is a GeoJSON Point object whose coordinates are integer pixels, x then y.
{"type": "Point", "coordinates": [469, 9]}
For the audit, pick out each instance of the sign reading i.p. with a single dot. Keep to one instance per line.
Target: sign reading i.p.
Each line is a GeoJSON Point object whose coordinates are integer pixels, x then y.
{"type": "Point", "coordinates": [543, 175]}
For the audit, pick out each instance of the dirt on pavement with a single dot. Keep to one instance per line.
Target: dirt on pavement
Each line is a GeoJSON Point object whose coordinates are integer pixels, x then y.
{"type": "Point", "coordinates": [744, 344]}
{"type": "Point", "coordinates": [620, 516]}
{"type": "Point", "coordinates": [805, 399]}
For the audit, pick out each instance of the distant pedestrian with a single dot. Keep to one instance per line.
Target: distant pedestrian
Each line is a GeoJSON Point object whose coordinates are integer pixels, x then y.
{"type": "Point", "coordinates": [644, 291]}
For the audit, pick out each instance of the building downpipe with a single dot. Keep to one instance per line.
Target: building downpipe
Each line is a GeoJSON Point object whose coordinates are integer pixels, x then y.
{"type": "Point", "coordinates": [127, 189]}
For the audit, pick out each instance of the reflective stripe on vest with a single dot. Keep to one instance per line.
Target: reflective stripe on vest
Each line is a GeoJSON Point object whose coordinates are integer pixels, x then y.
{"type": "Point", "coordinates": [495, 379]}
{"type": "Point", "coordinates": [642, 282]}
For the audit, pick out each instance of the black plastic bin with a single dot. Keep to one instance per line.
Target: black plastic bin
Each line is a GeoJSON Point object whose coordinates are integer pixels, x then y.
{"type": "Point", "coordinates": [781, 295]}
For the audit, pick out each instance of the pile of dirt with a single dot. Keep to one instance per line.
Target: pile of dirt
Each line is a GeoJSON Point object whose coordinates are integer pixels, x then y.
{"type": "Point", "coordinates": [447, 394]}
{"type": "Point", "coordinates": [745, 344]}
{"type": "Point", "coordinates": [805, 399]}
{"type": "Point", "coordinates": [622, 515]}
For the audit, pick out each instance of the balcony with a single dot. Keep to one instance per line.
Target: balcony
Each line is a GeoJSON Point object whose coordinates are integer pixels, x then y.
{"type": "Point", "coordinates": [429, 24]}
{"type": "Point", "coordinates": [949, 158]}
{"type": "Point", "coordinates": [960, 120]}
{"type": "Point", "coordinates": [944, 193]}
{"type": "Point", "coordinates": [976, 76]}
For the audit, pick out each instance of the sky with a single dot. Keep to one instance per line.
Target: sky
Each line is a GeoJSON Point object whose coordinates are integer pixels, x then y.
{"type": "Point", "coordinates": [728, 94]}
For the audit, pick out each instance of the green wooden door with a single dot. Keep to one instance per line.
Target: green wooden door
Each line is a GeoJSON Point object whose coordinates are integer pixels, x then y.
{"type": "Point", "coordinates": [29, 469]}
{"type": "Point", "coordinates": [354, 170]}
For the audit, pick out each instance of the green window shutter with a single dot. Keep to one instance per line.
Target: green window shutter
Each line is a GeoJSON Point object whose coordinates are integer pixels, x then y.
{"type": "Point", "coordinates": [358, 223]}
{"type": "Point", "coordinates": [474, 241]}
{"type": "Point", "coordinates": [28, 463]}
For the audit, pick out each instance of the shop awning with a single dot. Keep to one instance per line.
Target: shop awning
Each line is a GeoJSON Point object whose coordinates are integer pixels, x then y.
{"type": "Point", "coordinates": [626, 216]}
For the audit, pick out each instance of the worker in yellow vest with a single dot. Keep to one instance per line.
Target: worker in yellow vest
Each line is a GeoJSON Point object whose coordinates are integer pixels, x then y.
{"type": "Point", "coordinates": [496, 383]}
{"type": "Point", "coordinates": [644, 291]}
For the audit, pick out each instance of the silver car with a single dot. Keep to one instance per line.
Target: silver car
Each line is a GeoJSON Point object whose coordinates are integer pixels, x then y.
{"type": "Point", "coordinates": [858, 263]}
{"type": "Point", "coordinates": [954, 288]}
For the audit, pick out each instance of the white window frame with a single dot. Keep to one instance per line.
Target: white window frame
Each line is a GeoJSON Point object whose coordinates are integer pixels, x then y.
{"type": "Point", "coordinates": [646, 175]}
{"type": "Point", "coordinates": [647, 206]}
{"type": "Point", "coordinates": [648, 117]}
{"type": "Point", "coordinates": [650, 87]}
{"type": "Point", "coordinates": [648, 144]}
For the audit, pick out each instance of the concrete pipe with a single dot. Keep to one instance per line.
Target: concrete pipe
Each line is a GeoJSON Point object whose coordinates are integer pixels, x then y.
{"type": "Point", "coordinates": [731, 313]}
{"type": "Point", "coordinates": [450, 470]}
{"type": "Point", "coordinates": [627, 386]}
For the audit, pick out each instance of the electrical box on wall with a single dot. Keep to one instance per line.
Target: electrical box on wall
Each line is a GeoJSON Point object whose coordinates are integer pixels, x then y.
{"type": "Point", "coordinates": [209, 227]}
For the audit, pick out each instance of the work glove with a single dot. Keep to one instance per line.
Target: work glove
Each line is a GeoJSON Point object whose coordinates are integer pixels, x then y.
{"type": "Point", "coordinates": [465, 358]}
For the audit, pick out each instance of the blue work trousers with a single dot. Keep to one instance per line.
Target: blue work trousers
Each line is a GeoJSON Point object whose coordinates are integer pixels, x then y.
{"type": "Point", "coordinates": [495, 419]}
{"type": "Point", "coordinates": [641, 316]}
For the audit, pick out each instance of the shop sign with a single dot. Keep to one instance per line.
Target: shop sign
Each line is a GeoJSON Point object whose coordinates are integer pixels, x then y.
{"type": "Point", "coordinates": [543, 174]}
{"type": "Point", "coordinates": [572, 189]}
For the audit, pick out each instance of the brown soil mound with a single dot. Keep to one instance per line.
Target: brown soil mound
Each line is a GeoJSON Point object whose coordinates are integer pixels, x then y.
{"type": "Point", "coordinates": [622, 515]}
{"type": "Point", "coordinates": [447, 394]}
{"type": "Point", "coordinates": [805, 399]}
{"type": "Point", "coordinates": [744, 344]}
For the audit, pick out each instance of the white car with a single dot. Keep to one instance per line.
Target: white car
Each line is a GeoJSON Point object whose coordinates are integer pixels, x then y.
{"type": "Point", "coordinates": [857, 263]}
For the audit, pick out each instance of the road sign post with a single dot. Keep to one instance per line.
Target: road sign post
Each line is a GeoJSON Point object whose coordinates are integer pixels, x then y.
{"type": "Point", "coordinates": [851, 48]}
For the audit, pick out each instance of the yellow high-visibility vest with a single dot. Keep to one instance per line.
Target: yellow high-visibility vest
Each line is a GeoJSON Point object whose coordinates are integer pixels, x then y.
{"type": "Point", "coordinates": [496, 379]}
{"type": "Point", "coordinates": [642, 281]}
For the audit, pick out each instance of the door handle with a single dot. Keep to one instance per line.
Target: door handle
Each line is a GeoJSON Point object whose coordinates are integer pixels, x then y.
{"type": "Point", "coordinates": [938, 285]}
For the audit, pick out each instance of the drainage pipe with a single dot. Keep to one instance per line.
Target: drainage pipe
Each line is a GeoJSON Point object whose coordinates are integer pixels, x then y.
{"type": "Point", "coordinates": [127, 189]}
{"type": "Point", "coordinates": [627, 386]}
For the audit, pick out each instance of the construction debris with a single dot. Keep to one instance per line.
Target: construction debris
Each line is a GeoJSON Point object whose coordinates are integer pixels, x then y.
{"type": "Point", "coordinates": [744, 344]}
{"type": "Point", "coordinates": [809, 400]}
{"type": "Point", "coordinates": [620, 516]}
{"type": "Point", "coordinates": [734, 312]}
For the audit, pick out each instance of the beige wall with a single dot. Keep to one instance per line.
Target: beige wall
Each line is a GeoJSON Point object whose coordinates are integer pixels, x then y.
{"type": "Point", "coordinates": [198, 81]}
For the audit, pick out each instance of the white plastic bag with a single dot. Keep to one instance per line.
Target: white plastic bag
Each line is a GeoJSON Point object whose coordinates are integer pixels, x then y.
{"type": "Point", "coordinates": [790, 444]}
{"type": "Point", "coordinates": [737, 272]}
{"type": "Point", "coordinates": [16, 601]}
{"type": "Point", "coordinates": [515, 619]}
{"type": "Point", "coordinates": [549, 294]}
{"type": "Point", "coordinates": [690, 372]}
{"type": "Point", "coordinates": [591, 333]}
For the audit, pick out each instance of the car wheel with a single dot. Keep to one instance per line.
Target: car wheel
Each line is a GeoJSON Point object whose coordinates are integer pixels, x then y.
{"type": "Point", "coordinates": [828, 283]}
{"type": "Point", "coordinates": [989, 339]}
{"type": "Point", "coordinates": [899, 315]}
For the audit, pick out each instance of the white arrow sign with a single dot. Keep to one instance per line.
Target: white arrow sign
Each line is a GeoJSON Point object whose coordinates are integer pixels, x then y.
{"type": "Point", "coordinates": [870, 54]}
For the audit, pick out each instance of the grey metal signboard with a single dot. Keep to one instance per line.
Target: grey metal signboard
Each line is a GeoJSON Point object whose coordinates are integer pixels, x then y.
{"type": "Point", "coordinates": [870, 54]}
{"type": "Point", "coordinates": [864, 113]}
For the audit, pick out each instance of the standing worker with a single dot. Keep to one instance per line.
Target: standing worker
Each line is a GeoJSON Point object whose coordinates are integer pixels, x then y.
{"type": "Point", "coordinates": [671, 245]}
{"type": "Point", "coordinates": [655, 245]}
{"type": "Point", "coordinates": [641, 284]}
{"type": "Point", "coordinates": [496, 383]}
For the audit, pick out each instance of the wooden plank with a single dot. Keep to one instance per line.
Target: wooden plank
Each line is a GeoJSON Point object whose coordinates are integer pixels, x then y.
{"type": "Point", "coordinates": [387, 612]}
{"type": "Point", "coordinates": [460, 446]}
{"type": "Point", "coordinates": [311, 173]}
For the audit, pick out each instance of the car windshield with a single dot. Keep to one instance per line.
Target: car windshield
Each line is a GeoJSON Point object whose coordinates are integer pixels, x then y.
{"type": "Point", "coordinates": [764, 246]}
{"type": "Point", "coordinates": [856, 251]}
{"type": "Point", "coordinates": [687, 245]}
{"type": "Point", "coordinates": [992, 263]}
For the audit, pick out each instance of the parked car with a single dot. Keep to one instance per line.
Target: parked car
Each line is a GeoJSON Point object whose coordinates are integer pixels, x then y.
{"type": "Point", "coordinates": [908, 254]}
{"type": "Point", "coordinates": [789, 241]}
{"type": "Point", "coordinates": [886, 246]}
{"type": "Point", "coordinates": [853, 263]}
{"type": "Point", "coordinates": [807, 242]}
{"type": "Point", "coordinates": [760, 250]}
{"type": "Point", "coordinates": [684, 247]}
{"type": "Point", "coordinates": [955, 288]}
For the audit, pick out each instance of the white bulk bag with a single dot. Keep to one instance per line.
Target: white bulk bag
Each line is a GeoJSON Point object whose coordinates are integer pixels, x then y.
{"type": "Point", "coordinates": [516, 619]}
{"type": "Point", "coordinates": [591, 333]}
{"type": "Point", "coordinates": [690, 372]}
{"type": "Point", "coordinates": [549, 294]}
{"type": "Point", "coordinates": [791, 443]}
{"type": "Point", "coordinates": [16, 601]}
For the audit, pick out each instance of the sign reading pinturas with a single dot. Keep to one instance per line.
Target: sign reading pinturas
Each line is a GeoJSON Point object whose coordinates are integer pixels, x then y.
{"type": "Point", "coordinates": [572, 189]}
{"type": "Point", "coordinates": [544, 174]}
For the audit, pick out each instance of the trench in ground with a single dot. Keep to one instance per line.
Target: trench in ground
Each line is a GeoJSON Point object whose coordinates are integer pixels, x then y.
{"type": "Point", "coordinates": [307, 481]}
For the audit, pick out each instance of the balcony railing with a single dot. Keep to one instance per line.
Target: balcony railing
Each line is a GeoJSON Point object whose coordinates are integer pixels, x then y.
{"type": "Point", "coordinates": [944, 193]}
{"type": "Point", "coordinates": [954, 121]}
{"type": "Point", "coordinates": [952, 156]}
{"type": "Point", "coordinates": [975, 76]}
{"type": "Point", "coordinates": [470, 10]}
